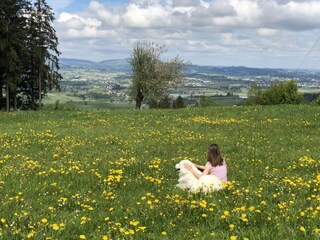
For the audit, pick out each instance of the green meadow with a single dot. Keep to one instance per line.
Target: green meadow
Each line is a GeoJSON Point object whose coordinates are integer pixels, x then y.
{"type": "Point", "coordinates": [109, 174]}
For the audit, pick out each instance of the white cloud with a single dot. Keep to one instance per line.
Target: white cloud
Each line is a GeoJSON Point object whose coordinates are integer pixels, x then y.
{"type": "Point", "coordinates": [100, 11]}
{"type": "Point", "coordinates": [248, 13]}
{"type": "Point", "coordinates": [90, 32]}
{"type": "Point", "coordinates": [197, 27]}
{"type": "Point", "coordinates": [267, 32]}
{"type": "Point", "coordinates": [222, 8]}
{"type": "Point", "coordinates": [75, 21]}
{"type": "Point", "coordinates": [299, 16]}
{"type": "Point", "coordinates": [229, 39]}
{"type": "Point", "coordinates": [143, 17]}
{"type": "Point", "coordinates": [185, 3]}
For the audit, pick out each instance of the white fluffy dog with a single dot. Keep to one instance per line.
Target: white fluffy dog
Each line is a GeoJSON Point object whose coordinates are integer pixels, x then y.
{"type": "Point", "coordinates": [187, 180]}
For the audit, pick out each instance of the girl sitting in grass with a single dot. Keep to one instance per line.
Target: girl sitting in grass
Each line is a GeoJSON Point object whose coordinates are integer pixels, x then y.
{"type": "Point", "coordinates": [207, 178]}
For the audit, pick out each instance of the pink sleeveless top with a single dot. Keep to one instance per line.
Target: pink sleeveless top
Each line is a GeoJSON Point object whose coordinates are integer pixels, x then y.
{"type": "Point", "coordinates": [219, 171]}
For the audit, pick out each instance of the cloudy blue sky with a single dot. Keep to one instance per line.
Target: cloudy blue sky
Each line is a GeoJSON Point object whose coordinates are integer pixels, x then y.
{"type": "Point", "coordinates": [252, 33]}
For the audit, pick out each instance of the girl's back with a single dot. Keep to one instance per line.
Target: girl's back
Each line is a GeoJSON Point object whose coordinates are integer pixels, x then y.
{"type": "Point", "coordinates": [219, 171]}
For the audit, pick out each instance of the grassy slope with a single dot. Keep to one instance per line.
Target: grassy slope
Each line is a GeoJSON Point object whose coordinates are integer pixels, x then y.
{"type": "Point", "coordinates": [62, 97]}
{"type": "Point", "coordinates": [111, 173]}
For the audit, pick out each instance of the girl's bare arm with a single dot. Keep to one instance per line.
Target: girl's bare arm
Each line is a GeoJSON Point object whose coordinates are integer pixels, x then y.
{"type": "Point", "coordinates": [196, 174]}
{"type": "Point", "coordinates": [199, 166]}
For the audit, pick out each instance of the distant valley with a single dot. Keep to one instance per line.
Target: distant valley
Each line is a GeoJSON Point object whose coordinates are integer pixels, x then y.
{"type": "Point", "coordinates": [88, 84]}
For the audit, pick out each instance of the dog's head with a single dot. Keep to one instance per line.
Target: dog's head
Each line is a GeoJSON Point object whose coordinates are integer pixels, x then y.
{"type": "Point", "coordinates": [180, 166]}
{"type": "Point", "coordinates": [177, 167]}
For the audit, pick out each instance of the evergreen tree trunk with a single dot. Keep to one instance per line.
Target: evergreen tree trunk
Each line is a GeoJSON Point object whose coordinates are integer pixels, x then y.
{"type": "Point", "coordinates": [40, 83]}
{"type": "Point", "coordinates": [8, 98]}
{"type": "Point", "coordinates": [13, 47]}
{"type": "Point", "coordinates": [15, 102]}
{"type": "Point", "coordinates": [1, 87]}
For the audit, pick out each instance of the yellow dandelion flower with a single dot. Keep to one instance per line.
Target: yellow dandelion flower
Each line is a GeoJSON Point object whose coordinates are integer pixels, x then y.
{"type": "Point", "coordinates": [142, 228]}
{"type": "Point", "coordinates": [233, 238]}
{"type": "Point", "coordinates": [302, 229]}
{"type": "Point", "coordinates": [134, 223]}
{"type": "Point", "coordinates": [55, 227]}
{"type": "Point", "coordinates": [263, 203]}
{"type": "Point", "coordinates": [82, 237]}
{"type": "Point", "coordinates": [164, 233]}
{"type": "Point", "coordinates": [30, 235]}
{"type": "Point", "coordinates": [44, 220]}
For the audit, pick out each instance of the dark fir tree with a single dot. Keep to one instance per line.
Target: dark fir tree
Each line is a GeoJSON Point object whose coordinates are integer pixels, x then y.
{"type": "Point", "coordinates": [179, 103]}
{"type": "Point", "coordinates": [43, 65]}
{"type": "Point", "coordinates": [13, 20]}
{"type": "Point", "coordinates": [165, 102]}
{"type": "Point", "coordinates": [29, 65]}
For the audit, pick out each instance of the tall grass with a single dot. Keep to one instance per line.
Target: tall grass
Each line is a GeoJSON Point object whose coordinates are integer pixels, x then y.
{"type": "Point", "coordinates": [110, 174]}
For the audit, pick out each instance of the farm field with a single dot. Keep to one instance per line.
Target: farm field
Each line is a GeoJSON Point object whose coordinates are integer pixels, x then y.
{"type": "Point", "coordinates": [64, 99]}
{"type": "Point", "coordinates": [308, 90]}
{"type": "Point", "coordinates": [109, 174]}
{"type": "Point", "coordinates": [67, 98]}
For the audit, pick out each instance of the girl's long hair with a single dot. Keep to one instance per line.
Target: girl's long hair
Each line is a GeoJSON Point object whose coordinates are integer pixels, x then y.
{"type": "Point", "coordinates": [214, 155]}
